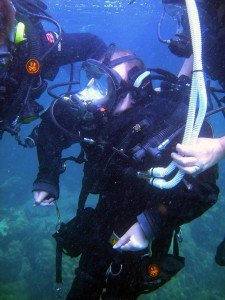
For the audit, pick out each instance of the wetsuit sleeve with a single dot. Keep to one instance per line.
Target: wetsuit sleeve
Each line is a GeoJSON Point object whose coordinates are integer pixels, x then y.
{"type": "Point", "coordinates": [172, 208]}
{"type": "Point", "coordinates": [74, 47]}
{"type": "Point", "coordinates": [51, 141]}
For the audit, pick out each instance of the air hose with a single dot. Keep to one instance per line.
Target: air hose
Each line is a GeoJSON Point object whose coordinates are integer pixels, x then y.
{"type": "Point", "coordinates": [198, 90]}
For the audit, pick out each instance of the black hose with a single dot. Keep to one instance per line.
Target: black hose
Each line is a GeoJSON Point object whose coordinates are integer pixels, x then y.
{"type": "Point", "coordinates": [54, 86]}
{"type": "Point", "coordinates": [57, 124]}
{"type": "Point", "coordinates": [71, 77]}
{"type": "Point", "coordinates": [167, 42]}
{"type": "Point", "coordinates": [166, 74]}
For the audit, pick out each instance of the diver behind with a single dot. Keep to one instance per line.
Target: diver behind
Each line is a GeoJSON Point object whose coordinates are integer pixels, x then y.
{"type": "Point", "coordinates": [30, 56]}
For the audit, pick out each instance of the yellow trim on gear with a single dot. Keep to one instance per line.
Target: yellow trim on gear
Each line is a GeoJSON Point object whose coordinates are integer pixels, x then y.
{"type": "Point", "coordinates": [20, 33]}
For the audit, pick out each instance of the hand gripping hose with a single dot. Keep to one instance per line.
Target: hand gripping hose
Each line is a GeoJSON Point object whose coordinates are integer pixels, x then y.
{"type": "Point", "coordinates": [198, 92]}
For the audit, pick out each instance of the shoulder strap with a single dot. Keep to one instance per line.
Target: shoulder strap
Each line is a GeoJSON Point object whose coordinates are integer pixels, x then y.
{"type": "Point", "coordinates": [177, 238]}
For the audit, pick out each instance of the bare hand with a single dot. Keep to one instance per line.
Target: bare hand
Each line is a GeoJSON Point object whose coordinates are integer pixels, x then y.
{"type": "Point", "coordinates": [196, 158]}
{"type": "Point", "coordinates": [42, 198]}
{"type": "Point", "coordinates": [133, 240]}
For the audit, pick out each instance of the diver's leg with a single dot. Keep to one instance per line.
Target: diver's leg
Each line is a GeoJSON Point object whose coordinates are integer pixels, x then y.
{"type": "Point", "coordinates": [82, 199]}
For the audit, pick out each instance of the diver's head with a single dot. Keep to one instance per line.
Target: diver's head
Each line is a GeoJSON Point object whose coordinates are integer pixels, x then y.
{"type": "Point", "coordinates": [135, 80]}
{"type": "Point", "coordinates": [114, 84]}
{"type": "Point", "coordinates": [7, 19]}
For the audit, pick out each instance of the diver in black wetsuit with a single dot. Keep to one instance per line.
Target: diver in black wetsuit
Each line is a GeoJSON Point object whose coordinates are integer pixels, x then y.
{"type": "Point", "coordinates": [212, 14]}
{"type": "Point", "coordinates": [29, 56]}
{"type": "Point", "coordinates": [212, 17]}
{"type": "Point", "coordinates": [119, 120]}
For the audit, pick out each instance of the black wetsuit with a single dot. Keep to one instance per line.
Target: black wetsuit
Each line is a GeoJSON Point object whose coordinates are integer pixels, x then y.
{"type": "Point", "coordinates": [19, 89]}
{"type": "Point", "coordinates": [212, 20]}
{"type": "Point", "coordinates": [124, 197]}
{"type": "Point", "coordinates": [213, 37]}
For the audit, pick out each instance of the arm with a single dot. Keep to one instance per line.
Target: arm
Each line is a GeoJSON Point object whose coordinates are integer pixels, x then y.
{"type": "Point", "coordinates": [169, 210]}
{"type": "Point", "coordinates": [51, 141]}
{"type": "Point", "coordinates": [75, 47]}
{"type": "Point", "coordinates": [187, 67]}
{"type": "Point", "coordinates": [172, 208]}
{"type": "Point", "coordinates": [206, 152]}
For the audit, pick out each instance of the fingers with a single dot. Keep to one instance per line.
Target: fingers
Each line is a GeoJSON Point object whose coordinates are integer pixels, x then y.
{"type": "Point", "coordinates": [186, 164]}
{"type": "Point", "coordinates": [127, 243]}
{"type": "Point", "coordinates": [189, 164]}
{"type": "Point", "coordinates": [131, 246]}
{"type": "Point", "coordinates": [122, 241]}
{"type": "Point", "coordinates": [194, 170]}
{"type": "Point", "coordinates": [48, 202]}
{"type": "Point", "coordinates": [184, 161]}
{"type": "Point", "coordinates": [185, 150]}
{"type": "Point", "coordinates": [41, 198]}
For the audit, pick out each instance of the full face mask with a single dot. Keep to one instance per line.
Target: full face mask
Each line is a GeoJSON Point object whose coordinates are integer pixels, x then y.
{"type": "Point", "coordinates": [98, 87]}
{"type": "Point", "coordinates": [103, 87]}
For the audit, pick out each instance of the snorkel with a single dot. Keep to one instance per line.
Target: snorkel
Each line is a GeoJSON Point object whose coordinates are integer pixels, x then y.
{"type": "Point", "coordinates": [198, 92]}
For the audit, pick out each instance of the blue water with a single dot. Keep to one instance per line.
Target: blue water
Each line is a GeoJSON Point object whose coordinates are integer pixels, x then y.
{"type": "Point", "coordinates": [27, 251]}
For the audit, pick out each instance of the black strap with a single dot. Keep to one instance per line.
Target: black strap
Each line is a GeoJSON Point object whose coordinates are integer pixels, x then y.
{"type": "Point", "coordinates": [58, 262]}
{"type": "Point", "coordinates": [67, 132]}
{"type": "Point", "coordinates": [121, 60]}
{"type": "Point", "coordinates": [109, 53]}
{"type": "Point", "coordinates": [175, 242]}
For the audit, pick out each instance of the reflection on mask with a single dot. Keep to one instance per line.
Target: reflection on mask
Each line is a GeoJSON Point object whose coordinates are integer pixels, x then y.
{"type": "Point", "coordinates": [93, 93]}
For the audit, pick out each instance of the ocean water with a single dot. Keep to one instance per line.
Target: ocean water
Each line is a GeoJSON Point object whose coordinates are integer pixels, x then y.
{"type": "Point", "coordinates": [27, 250]}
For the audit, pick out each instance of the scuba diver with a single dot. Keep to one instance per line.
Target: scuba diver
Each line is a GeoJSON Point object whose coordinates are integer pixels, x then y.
{"type": "Point", "coordinates": [30, 56]}
{"type": "Point", "coordinates": [119, 120]}
{"type": "Point", "coordinates": [206, 152]}
{"type": "Point", "coordinates": [212, 17]}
